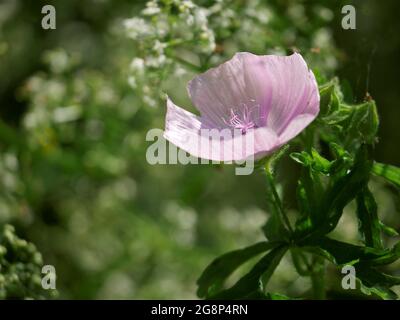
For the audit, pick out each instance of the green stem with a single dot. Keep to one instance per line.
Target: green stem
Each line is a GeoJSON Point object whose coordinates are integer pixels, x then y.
{"type": "Point", "coordinates": [300, 262]}
{"type": "Point", "coordinates": [276, 200]}
{"type": "Point", "coordinates": [318, 279]}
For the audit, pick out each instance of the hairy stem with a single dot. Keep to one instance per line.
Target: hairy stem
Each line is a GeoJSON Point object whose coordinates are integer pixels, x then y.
{"type": "Point", "coordinates": [276, 200]}
{"type": "Point", "coordinates": [318, 279]}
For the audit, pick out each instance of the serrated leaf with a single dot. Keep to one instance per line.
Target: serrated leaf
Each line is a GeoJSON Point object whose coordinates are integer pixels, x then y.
{"type": "Point", "coordinates": [222, 267]}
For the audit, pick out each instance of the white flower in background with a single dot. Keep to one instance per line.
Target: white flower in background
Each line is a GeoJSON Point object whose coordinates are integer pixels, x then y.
{"type": "Point", "coordinates": [324, 13]}
{"type": "Point", "coordinates": [185, 6]}
{"type": "Point", "coordinates": [159, 47]}
{"type": "Point", "coordinates": [200, 17]}
{"type": "Point", "coordinates": [152, 8]}
{"type": "Point", "coordinates": [156, 61]}
{"type": "Point", "coordinates": [137, 28]}
{"type": "Point", "coordinates": [186, 9]}
{"type": "Point", "coordinates": [137, 65]}
{"type": "Point", "coordinates": [132, 82]}
{"type": "Point", "coordinates": [208, 38]}
{"type": "Point", "coordinates": [66, 114]}
{"type": "Point", "coordinates": [149, 101]}
{"type": "Point", "coordinates": [162, 26]}
{"type": "Point", "coordinates": [322, 38]}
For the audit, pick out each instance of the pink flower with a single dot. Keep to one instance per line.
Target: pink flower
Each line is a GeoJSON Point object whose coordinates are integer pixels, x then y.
{"type": "Point", "coordinates": [269, 99]}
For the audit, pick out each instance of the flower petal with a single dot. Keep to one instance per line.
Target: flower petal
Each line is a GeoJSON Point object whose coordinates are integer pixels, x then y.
{"type": "Point", "coordinates": [296, 91]}
{"type": "Point", "coordinates": [295, 126]}
{"type": "Point", "coordinates": [185, 130]}
{"type": "Point", "coordinates": [243, 80]}
{"type": "Point", "coordinates": [275, 89]}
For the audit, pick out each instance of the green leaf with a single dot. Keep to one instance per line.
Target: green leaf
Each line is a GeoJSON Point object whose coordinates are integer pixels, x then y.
{"type": "Point", "coordinates": [314, 192]}
{"type": "Point", "coordinates": [346, 189]}
{"type": "Point", "coordinates": [343, 159]}
{"type": "Point", "coordinates": [275, 157]}
{"type": "Point", "coordinates": [320, 164]}
{"type": "Point", "coordinates": [369, 127]}
{"type": "Point", "coordinates": [256, 279]}
{"type": "Point", "coordinates": [340, 115]}
{"type": "Point", "coordinates": [365, 258]}
{"type": "Point", "coordinates": [327, 205]}
{"type": "Point", "coordinates": [356, 122]}
{"type": "Point", "coordinates": [325, 93]}
{"type": "Point", "coordinates": [383, 293]}
{"type": "Point", "coordinates": [386, 258]}
{"type": "Point", "coordinates": [362, 123]}
{"type": "Point", "coordinates": [273, 229]}
{"type": "Point", "coordinates": [222, 267]}
{"type": "Point", "coordinates": [301, 157]}
{"type": "Point", "coordinates": [277, 296]}
{"type": "Point", "coordinates": [338, 151]}
{"type": "Point", "coordinates": [388, 230]}
{"type": "Point", "coordinates": [300, 262]}
{"type": "Point", "coordinates": [341, 253]}
{"type": "Point", "coordinates": [372, 277]}
{"type": "Point", "coordinates": [387, 171]}
{"type": "Point", "coordinates": [315, 160]}
{"type": "Point", "coordinates": [375, 282]}
{"type": "Point", "coordinates": [367, 214]}
{"type": "Point", "coordinates": [330, 97]}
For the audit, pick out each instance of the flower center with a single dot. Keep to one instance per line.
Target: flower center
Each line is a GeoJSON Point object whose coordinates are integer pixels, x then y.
{"type": "Point", "coordinates": [243, 122]}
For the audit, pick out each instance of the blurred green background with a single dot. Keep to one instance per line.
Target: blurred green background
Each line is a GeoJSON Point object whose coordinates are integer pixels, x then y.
{"type": "Point", "coordinates": [75, 111]}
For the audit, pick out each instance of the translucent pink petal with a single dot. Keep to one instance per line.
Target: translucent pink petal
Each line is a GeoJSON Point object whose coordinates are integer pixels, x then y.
{"type": "Point", "coordinates": [183, 129]}
{"type": "Point", "coordinates": [237, 82]}
{"type": "Point", "coordinates": [269, 99]}
{"type": "Point", "coordinates": [296, 92]}
{"type": "Point", "coordinates": [295, 126]}
{"type": "Point", "coordinates": [275, 88]}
